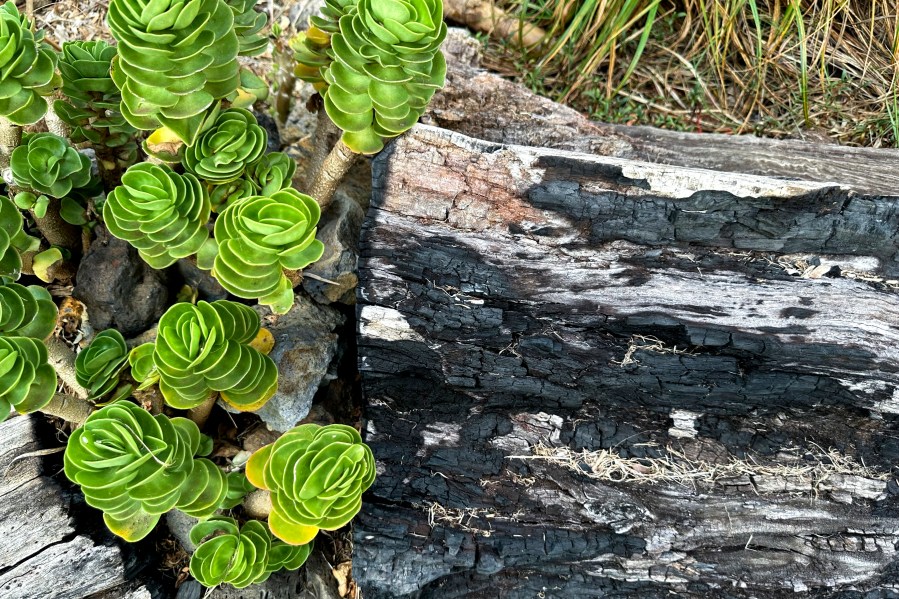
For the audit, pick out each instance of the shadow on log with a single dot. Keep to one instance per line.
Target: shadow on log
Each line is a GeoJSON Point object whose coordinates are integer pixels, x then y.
{"type": "Point", "coordinates": [590, 376]}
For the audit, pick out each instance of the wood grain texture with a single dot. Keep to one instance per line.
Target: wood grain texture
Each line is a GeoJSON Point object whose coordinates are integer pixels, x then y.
{"type": "Point", "coordinates": [485, 106]}
{"type": "Point", "coordinates": [726, 343]}
{"type": "Point", "coordinates": [47, 549]}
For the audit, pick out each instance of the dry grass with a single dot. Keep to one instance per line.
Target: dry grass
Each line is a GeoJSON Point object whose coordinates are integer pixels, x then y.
{"type": "Point", "coordinates": [819, 68]}
{"type": "Point", "coordinates": [675, 467]}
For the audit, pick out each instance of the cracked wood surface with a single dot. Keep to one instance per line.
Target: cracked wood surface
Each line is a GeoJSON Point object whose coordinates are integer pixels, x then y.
{"type": "Point", "coordinates": [726, 343]}
{"type": "Point", "coordinates": [484, 105]}
{"type": "Point", "coordinates": [44, 551]}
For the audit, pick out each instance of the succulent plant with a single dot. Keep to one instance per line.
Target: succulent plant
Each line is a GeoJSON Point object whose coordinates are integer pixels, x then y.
{"type": "Point", "coordinates": [47, 164]}
{"type": "Point", "coordinates": [27, 68]}
{"type": "Point", "coordinates": [273, 172]}
{"type": "Point", "coordinates": [239, 556]}
{"type": "Point", "coordinates": [225, 194]}
{"type": "Point", "coordinates": [258, 237]}
{"type": "Point", "coordinates": [92, 101]}
{"type": "Point", "coordinates": [316, 476]}
{"type": "Point", "coordinates": [13, 241]}
{"type": "Point", "coordinates": [176, 61]}
{"type": "Point", "coordinates": [135, 467]}
{"type": "Point", "coordinates": [223, 152]}
{"type": "Point", "coordinates": [26, 311]}
{"type": "Point", "coordinates": [27, 381]}
{"type": "Point", "coordinates": [384, 65]}
{"type": "Point", "coordinates": [238, 487]}
{"type": "Point", "coordinates": [98, 366]}
{"type": "Point", "coordinates": [203, 349]}
{"type": "Point", "coordinates": [247, 25]}
{"type": "Point", "coordinates": [161, 213]}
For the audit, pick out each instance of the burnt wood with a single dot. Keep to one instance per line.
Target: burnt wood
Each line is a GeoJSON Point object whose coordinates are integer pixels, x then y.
{"type": "Point", "coordinates": [590, 376]}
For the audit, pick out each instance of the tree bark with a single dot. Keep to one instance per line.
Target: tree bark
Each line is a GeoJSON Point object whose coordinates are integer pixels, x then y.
{"type": "Point", "coordinates": [591, 375]}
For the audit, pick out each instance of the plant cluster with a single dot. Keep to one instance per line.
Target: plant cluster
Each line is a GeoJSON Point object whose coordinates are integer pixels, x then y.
{"type": "Point", "coordinates": [185, 173]}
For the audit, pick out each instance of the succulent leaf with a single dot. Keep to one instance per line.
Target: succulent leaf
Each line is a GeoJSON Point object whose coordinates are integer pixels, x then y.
{"type": "Point", "coordinates": [247, 25]}
{"type": "Point", "coordinates": [92, 100]}
{"type": "Point", "coordinates": [135, 467]}
{"type": "Point", "coordinates": [273, 172]}
{"type": "Point", "coordinates": [27, 68]}
{"type": "Point", "coordinates": [27, 380]}
{"type": "Point", "coordinates": [13, 241]}
{"type": "Point", "coordinates": [239, 556]}
{"type": "Point", "coordinates": [176, 61]}
{"type": "Point", "coordinates": [205, 348]}
{"type": "Point", "coordinates": [238, 487]}
{"type": "Point", "coordinates": [98, 366]}
{"type": "Point", "coordinates": [223, 152]}
{"type": "Point", "coordinates": [47, 164]}
{"type": "Point", "coordinates": [316, 476]}
{"type": "Point", "coordinates": [159, 212]}
{"type": "Point", "coordinates": [378, 63]}
{"type": "Point", "coordinates": [26, 311]}
{"type": "Point", "coordinates": [226, 194]}
{"type": "Point", "coordinates": [260, 236]}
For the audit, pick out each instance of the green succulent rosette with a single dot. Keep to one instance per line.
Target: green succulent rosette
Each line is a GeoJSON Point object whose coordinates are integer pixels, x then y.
{"type": "Point", "coordinates": [273, 172]}
{"type": "Point", "coordinates": [223, 153]}
{"type": "Point", "coordinates": [176, 61]}
{"type": "Point", "coordinates": [226, 194]}
{"type": "Point", "coordinates": [27, 380]}
{"type": "Point", "coordinates": [247, 25]}
{"type": "Point", "coordinates": [98, 366]}
{"type": "Point", "coordinates": [238, 487]}
{"type": "Point", "coordinates": [135, 467]}
{"type": "Point", "coordinates": [316, 476]}
{"type": "Point", "coordinates": [13, 241]}
{"type": "Point", "coordinates": [205, 348]}
{"type": "Point", "coordinates": [27, 68]}
{"type": "Point", "coordinates": [159, 212]}
{"type": "Point", "coordinates": [26, 311]}
{"type": "Point", "coordinates": [91, 107]}
{"type": "Point", "coordinates": [239, 556]}
{"type": "Point", "coordinates": [260, 236]}
{"type": "Point", "coordinates": [47, 164]}
{"type": "Point", "coordinates": [384, 66]}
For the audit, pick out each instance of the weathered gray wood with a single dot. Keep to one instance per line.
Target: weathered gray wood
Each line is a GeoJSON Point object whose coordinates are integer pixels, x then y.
{"type": "Point", "coordinates": [44, 552]}
{"type": "Point", "coordinates": [590, 375]}
{"type": "Point", "coordinates": [485, 106]}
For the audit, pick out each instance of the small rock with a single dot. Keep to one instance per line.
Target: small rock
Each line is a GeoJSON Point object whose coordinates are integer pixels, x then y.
{"type": "Point", "coordinates": [339, 231]}
{"type": "Point", "coordinates": [119, 289]}
{"type": "Point", "coordinates": [305, 345]}
{"type": "Point", "coordinates": [462, 46]}
{"type": "Point", "coordinates": [179, 525]}
{"type": "Point", "coordinates": [207, 287]}
{"type": "Point", "coordinates": [190, 589]}
{"type": "Point", "coordinates": [301, 11]}
{"type": "Point", "coordinates": [259, 437]}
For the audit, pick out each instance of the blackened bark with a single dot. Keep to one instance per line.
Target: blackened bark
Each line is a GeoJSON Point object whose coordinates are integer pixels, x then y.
{"type": "Point", "coordinates": [588, 376]}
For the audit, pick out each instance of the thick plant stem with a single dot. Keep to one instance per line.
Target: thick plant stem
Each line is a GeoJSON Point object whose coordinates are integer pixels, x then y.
{"type": "Point", "coordinates": [326, 133]}
{"type": "Point", "coordinates": [69, 408]}
{"type": "Point", "coordinates": [287, 83]}
{"type": "Point", "coordinates": [10, 138]}
{"type": "Point", "coordinates": [56, 125]}
{"type": "Point", "coordinates": [63, 360]}
{"type": "Point", "coordinates": [331, 173]}
{"type": "Point", "coordinates": [200, 414]}
{"type": "Point", "coordinates": [57, 231]}
{"type": "Point", "coordinates": [258, 504]}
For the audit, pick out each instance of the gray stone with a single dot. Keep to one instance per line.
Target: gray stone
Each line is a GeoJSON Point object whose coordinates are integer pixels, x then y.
{"type": "Point", "coordinates": [462, 46]}
{"type": "Point", "coordinates": [306, 342]}
{"type": "Point", "coordinates": [207, 287]}
{"type": "Point", "coordinates": [339, 230]}
{"type": "Point", "coordinates": [119, 289]}
{"type": "Point", "coordinates": [179, 525]}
